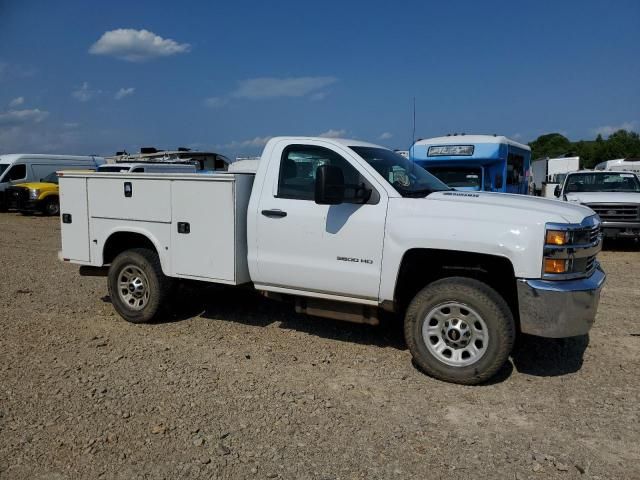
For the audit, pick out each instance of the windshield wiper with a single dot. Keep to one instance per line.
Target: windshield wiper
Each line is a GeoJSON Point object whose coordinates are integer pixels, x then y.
{"type": "Point", "coordinates": [424, 192]}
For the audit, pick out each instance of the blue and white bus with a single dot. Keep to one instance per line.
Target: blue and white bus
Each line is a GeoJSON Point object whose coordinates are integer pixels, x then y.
{"type": "Point", "coordinates": [476, 162]}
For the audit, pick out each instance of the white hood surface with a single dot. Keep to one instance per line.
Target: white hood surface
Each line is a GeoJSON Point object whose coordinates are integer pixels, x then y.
{"type": "Point", "coordinates": [603, 197]}
{"type": "Point", "coordinates": [518, 206]}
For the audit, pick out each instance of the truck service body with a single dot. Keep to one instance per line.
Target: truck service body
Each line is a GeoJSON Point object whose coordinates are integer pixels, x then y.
{"type": "Point", "coordinates": [346, 229]}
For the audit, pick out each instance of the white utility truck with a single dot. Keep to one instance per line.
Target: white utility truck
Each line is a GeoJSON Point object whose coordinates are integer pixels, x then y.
{"type": "Point", "coordinates": [345, 229]}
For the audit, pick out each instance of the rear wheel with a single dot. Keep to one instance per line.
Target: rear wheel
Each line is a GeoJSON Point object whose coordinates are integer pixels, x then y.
{"type": "Point", "coordinates": [137, 286]}
{"type": "Point", "coordinates": [51, 206]}
{"type": "Point", "coordinates": [459, 330]}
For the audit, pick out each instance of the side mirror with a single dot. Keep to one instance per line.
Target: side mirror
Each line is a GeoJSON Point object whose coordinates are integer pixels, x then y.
{"type": "Point", "coordinates": [329, 185]}
{"type": "Point", "coordinates": [557, 191]}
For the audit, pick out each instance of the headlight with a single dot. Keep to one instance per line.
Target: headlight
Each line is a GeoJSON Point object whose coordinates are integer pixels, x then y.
{"type": "Point", "coordinates": [555, 265]}
{"type": "Point", "coordinates": [34, 193]}
{"type": "Point", "coordinates": [557, 237]}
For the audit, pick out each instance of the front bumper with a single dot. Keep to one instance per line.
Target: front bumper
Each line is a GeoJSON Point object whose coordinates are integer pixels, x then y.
{"type": "Point", "coordinates": [560, 308]}
{"type": "Point", "coordinates": [621, 229]}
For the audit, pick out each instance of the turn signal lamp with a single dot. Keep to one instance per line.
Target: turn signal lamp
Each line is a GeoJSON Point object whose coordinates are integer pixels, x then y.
{"type": "Point", "coordinates": [554, 265]}
{"type": "Point", "coordinates": [556, 237]}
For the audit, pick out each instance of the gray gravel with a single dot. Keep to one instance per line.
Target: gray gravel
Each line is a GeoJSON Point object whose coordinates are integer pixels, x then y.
{"type": "Point", "coordinates": [235, 386]}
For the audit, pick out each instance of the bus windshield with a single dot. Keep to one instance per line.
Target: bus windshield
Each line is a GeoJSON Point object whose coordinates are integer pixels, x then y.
{"type": "Point", "coordinates": [459, 177]}
{"type": "Point", "coordinates": [602, 182]}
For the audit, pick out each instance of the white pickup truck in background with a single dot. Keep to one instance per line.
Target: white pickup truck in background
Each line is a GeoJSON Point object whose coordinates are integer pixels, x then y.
{"type": "Point", "coordinates": [345, 229]}
{"type": "Point", "coordinates": [613, 195]}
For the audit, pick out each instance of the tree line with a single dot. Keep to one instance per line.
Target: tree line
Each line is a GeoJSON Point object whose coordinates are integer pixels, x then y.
{"type": "Point", "coordinates": [620, 144]}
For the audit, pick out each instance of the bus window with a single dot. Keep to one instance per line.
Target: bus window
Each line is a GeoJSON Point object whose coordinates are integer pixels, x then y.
{"type": "Point", "coordinates": [515, 169]}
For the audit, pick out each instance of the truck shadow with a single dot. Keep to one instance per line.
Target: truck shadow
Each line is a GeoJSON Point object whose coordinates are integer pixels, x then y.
{"type": "Point", "coordinates": [621, 245]}
{"type": "Point", "coordinates": [542, 357]}
{"type": "Point", "coordinates": [549, 357]}
{"type": "Point", "coordinates": [249, 308]}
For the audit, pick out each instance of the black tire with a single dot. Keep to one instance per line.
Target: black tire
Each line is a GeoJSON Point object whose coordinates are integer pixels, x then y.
{"type": "Point", "coordinates": [51, 206]}
{"type": "Point", "coordinates": [156, 283]}
{"type": "Point", "coordinates": [481, 300]}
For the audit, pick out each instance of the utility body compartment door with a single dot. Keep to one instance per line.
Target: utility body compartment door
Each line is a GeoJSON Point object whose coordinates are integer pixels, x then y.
{"type": "Point", "coordinates": [203, 230]}
{"type": "Point", "coordinates": [128, 198]}
{"type": "Point", "coordinates": [74, 219]}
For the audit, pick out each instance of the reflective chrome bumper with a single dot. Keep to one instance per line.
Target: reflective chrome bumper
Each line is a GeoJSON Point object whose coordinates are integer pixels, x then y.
{"type": "Point", "coordinates": [560, 308]}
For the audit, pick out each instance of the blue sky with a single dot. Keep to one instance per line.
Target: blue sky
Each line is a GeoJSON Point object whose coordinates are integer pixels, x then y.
{"type": "Point", "coordinates": [95, 77]}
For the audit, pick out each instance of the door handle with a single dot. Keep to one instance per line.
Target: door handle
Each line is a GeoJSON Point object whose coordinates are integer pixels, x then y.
{"type": "Point", "coordinates": [274, 213]}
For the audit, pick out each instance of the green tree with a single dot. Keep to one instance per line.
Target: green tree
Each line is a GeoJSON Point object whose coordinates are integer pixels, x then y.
{"type": "Point", "coordinates": [550, 145]}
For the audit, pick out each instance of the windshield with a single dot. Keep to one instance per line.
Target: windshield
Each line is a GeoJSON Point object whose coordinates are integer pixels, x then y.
{"type": "Point", "coordinates": [602, 182]}
{"type": "Point", "coordinates": [3, 167]}
{"type": "Point", "coordinates": [51, 178]}
{"type": "Point", "coordinates": [458, 177]}
{"type": "Point", "coordinates": [113, 168]}
{"type": "Point", "coordinates": [409, 179]}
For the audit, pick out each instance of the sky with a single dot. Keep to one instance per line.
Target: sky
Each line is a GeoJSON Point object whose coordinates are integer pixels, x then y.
{"type": "Point", "coordinates": [87, 77]}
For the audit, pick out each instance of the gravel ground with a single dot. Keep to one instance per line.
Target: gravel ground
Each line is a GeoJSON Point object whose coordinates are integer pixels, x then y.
{"type": "Point", "coordinates": [236, 386]}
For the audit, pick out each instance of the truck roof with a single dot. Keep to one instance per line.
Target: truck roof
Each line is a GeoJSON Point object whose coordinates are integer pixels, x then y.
{"type": "Point", "coordinates": [336, 141]}
{"type": "Point", "coordinates": [462, 139]}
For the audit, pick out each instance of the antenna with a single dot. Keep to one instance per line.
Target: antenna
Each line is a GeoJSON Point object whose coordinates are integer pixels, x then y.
{"type": "Point", "coordinates": [413, 134]}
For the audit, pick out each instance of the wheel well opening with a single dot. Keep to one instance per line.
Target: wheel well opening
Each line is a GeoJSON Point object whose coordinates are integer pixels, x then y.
{"type": "Point", "coordinates": [121, 241]}
{"type": "Point", "coordinates": [421, 267]}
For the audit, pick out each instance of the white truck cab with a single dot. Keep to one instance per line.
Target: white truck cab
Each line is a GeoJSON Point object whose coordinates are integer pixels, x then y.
{"type": "Point", "coordinates": [344, 229]}
{"type": "Point", "coordinates": [613, 195]}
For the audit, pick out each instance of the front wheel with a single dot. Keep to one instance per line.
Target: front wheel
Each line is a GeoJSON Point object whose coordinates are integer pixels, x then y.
{"type": "Point", "coordinates": [137, 286]}
{"type": "Point", "coordinates": [459, 330]}
{"type": "Point", "coordinates": [51, 206]}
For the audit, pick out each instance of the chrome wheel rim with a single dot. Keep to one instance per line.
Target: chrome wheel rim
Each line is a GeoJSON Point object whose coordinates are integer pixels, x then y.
{"type": "Point", "coordinates": [455, 334]}
{"type": "Point", "coordinates": [133, 287]}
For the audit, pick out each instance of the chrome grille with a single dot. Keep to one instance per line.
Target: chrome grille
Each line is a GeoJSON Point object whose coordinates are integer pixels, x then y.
{"type": "Point", "coordinates": [616, 212]}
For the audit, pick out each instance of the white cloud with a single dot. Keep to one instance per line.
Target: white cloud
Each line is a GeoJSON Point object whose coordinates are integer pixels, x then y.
{"type": "Point", "coordinates": [215, 102]}
{"type": "Point", "coordinates": [385, 135]}
{"type": "Point", "coordinates": [84, 93]}
{"type": "Point", "coordinates": [136, 45]}
{"type": "Point", "coordinates": [20, 117]}
{"type": "Point", "coordinates": [607, 130]}
{"type": "Point", "coordinates": [252, 143]}
{"type": "Point", "coordinates": [271, 87]}
{"type": "Point", "coordinates": [124, 92]}
{"type": "Point", "coordinates": [331, 133]}
{"type": "Point", "coordinates": [16, 102]}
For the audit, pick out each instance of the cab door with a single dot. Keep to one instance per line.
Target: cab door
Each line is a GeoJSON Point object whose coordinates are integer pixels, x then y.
{"type": "Point", "coordinates": [334, 249]}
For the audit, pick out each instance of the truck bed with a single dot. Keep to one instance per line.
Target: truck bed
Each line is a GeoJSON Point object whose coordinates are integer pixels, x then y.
{"type": "Point", "coordinates": [198, 223]}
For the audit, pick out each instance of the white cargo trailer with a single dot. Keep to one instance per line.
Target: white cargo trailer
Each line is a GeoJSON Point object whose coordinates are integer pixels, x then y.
{"type": "Point", "coordinates": [549, 172]}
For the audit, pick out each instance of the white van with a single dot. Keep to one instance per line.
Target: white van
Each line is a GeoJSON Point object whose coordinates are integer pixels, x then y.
{"type": "Point", "coordinates": [25, 167]}
{"type": "Point", "coordinates": [147, 167]}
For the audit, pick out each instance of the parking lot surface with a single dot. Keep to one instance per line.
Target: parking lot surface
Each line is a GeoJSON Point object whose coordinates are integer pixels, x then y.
{"type": "Point", "coordinates": [236, 386]}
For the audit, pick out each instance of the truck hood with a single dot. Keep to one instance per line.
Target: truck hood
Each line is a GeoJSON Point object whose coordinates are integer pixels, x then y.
{"type": "Point", "coordinates": [517, 206]}
{"type": "Point", "coordinates": [42, 186]}
{"type": "Point", "coordinates": [603, 197]}
{"type": "Point", "coordinates": [498, 224]}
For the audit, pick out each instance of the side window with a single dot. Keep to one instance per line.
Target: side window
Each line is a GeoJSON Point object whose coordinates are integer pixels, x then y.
{"type": "Point", "coordinates": [17, 172]}
{"type": "Point", "coordinates": [41, 171]}
{"type": "Point", "coordinates": [138, 170]}
{"type": "Point", "coordinates": [515, 169]}
{"type": "Point", "coordinates": [298, 171]}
